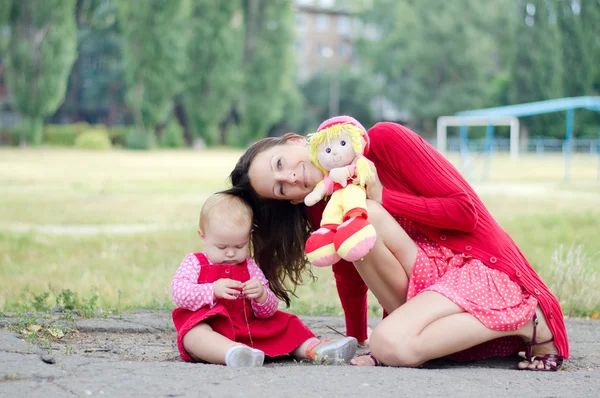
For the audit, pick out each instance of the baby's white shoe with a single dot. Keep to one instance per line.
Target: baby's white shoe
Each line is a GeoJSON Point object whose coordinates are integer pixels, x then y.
{"type": "Point", "coordinates": [242, 356]}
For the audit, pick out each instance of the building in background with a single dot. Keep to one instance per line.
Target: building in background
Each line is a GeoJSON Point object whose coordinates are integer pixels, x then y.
{"type": "Point", "coordinates": [324, 34]}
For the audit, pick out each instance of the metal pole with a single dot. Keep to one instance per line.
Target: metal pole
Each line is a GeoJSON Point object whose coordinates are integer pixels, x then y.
{"type": "Point", "coordinates": [487, 149]}
{"type": "Point", "coordinates": [568, 144]}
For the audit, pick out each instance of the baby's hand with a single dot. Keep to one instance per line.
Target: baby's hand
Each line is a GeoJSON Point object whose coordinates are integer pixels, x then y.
{"type": "Point", "coordinates": [227, 289]}
{"type": "Point", "coordinates": [255, 290]}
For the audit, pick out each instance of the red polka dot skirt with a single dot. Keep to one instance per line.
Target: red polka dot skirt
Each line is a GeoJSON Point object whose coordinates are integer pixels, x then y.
{"type": "Point", "coordinates": [487, 294]}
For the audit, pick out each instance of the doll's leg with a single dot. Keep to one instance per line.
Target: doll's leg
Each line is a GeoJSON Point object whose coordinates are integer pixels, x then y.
{"type": "Point", "coordinates": [356, 236]}
{"type": "Point", "coordinates": [204, 344]}
{"type": "Point", "coordinates": [320, 249]}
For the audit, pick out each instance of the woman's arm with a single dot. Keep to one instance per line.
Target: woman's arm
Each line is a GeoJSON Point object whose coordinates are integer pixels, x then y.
{"type": "Point", "coordinates": [187, 293]}
{"type": "Point", "coordinates": [442, 198]}
{"type": "Point", "coordinates": [269, 307]}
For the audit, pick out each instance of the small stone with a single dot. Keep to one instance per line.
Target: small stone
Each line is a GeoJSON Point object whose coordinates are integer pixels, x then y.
{"type": "Point", "coordinates": [49, 359]}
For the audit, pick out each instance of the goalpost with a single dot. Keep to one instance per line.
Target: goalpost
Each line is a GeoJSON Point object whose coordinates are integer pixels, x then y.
{"type": "Point", "coordinates": [464, 121]}
{"type": "Point", "coordinates": [444, 122]}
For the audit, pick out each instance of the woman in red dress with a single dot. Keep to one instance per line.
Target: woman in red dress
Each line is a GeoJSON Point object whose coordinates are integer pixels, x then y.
{"type": "Point", "coordinates": [227, 313]}
{"type": "Point", "coordinates": [451, 279]}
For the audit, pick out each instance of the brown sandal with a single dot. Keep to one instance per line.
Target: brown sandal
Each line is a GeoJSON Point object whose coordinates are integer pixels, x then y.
{"type": "Point", "coordinates": [368, 354]}
{"type": "Point", "coordinates": [545, 359]}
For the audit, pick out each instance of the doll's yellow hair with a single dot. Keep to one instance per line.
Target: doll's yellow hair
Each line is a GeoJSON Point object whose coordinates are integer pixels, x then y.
{"type": "Point", "coordinates": [363, 169]}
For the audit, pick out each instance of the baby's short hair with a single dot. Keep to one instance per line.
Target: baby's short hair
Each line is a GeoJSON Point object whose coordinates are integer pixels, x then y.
{"type": "Point", "coordinates": [221, 207]}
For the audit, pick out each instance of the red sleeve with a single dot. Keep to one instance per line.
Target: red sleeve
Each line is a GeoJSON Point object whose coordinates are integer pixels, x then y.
{"type": "Point", "coordinates": [352, 290]}
{"type": "Point", "coordinates": [440, 198]}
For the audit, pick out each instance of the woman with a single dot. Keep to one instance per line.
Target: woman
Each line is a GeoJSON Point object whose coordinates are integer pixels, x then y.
{"type": "Point", "coordinates": [452, 281]}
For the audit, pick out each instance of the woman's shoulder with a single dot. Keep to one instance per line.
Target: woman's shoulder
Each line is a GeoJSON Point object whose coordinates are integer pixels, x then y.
{"type": "Point", "coordinates": [383, 132]}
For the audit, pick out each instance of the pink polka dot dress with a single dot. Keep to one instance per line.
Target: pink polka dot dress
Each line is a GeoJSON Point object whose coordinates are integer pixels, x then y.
{"type": "Point", "coordinates": [487, 294]}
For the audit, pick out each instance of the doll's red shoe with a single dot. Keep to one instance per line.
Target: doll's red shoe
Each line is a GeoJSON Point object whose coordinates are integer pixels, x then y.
{"type": "Point", "coordinates": [320, 249]}
{"type": "Point", "coordinates": [354, 239]}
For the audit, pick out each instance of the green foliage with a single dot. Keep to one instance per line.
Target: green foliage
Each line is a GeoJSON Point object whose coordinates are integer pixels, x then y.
{"type": "Point", "coordinates": [213, 76]}
{"type": "Point", "coordinates": [41, 51]}
{"type": "Point", "coordinates": [9, 136]}
{"type": "Point", "coordinates": [269, 65]}
{"type": "Point", "coordinates": [5, 10]}
{"type": "Point", "coordinates": [118, 135]}
{"type": "Point", "coordinates": [155, 36]}
{"type": "Point", "coordinates": [96, 139]}
{"type": "Point", "coordinates": [433, 55]}
{"type": "Point", "coordinates": [139, 139]}
{"type": "Point", "coordinates": [60, 134]}
{"type": "Point", "coordinates": [537, 72]}
{"type": "Point", "coordinates": [359, 90]}
{"type": "Point", "coordinates": [172, 135]}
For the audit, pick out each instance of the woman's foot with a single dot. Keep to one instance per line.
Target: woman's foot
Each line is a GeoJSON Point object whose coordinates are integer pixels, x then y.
{"type": "Point", "coordinates": [542, 354]}
{"type": "Point", "coordinates": [365, 360]}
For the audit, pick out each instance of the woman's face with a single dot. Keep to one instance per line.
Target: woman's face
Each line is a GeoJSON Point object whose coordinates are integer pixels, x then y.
{"type": "Point", "coordinates": [284, 172]}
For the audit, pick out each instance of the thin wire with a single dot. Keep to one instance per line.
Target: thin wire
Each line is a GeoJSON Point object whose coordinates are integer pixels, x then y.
{"type": "Point", "coordinates": [247, 323]}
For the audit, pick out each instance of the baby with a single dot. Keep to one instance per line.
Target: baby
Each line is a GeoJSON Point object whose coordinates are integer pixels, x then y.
{"type": "Point", "coordinates": [227, 314]}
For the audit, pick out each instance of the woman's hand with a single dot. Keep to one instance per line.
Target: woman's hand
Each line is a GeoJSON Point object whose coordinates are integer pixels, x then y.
{"type": "Point", "coordinates": [373, 185]}
{"type": "Point", "coordinates": [227, 289]}
{"type": "Point", "coordinates": [255, 290]}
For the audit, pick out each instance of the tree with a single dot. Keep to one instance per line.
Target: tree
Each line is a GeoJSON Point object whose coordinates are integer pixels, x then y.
{"type": "Point", "coordinates": [41, 51]}
{"type": "Point", "coordinates": [5, 10]}
{"type": "Point", "coordinates": [434, 56]}
{"type": "Point", "coordinates": [268, 66]}
{"type": "Point", "coordinates": [357, 91]}
{"type": "Point", "coordinates": [537, 72]}
{"type": "Point", "coordinates": [155, 37]}
{"type": "Point", "coordinates": [214, 75]}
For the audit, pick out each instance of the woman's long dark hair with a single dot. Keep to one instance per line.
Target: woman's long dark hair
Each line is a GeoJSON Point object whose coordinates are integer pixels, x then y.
{"type": "Point", "coordinates": [280, 228]}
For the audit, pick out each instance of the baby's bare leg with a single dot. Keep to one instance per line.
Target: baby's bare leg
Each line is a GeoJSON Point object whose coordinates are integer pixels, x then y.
{"type": "Point", "coordinates": [204, 344]}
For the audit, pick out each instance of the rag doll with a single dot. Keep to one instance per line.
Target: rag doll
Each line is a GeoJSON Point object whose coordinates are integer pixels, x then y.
{"type": "Point", "coordinates": [338, 148]}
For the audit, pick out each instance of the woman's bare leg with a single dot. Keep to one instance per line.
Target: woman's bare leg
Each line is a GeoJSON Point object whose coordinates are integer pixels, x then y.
{"type": "Point", "coordinates": [203, 343]}
{"type": "Point", "coordinates": [430, 326]}
{"type": "Point", "coordinates": [387, 267]}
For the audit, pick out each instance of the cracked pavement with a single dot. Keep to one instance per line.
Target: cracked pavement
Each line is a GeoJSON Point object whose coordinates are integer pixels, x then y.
{"type": "Point", "coordinates": [135, 355]}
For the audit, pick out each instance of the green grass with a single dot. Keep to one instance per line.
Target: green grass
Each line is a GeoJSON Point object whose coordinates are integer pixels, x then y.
{"type": "Point", "coordinates": [57, 188]}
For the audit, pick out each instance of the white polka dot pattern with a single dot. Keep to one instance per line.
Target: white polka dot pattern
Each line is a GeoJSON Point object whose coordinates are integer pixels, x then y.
{"type": "Point", "coordinates": [486, 293]}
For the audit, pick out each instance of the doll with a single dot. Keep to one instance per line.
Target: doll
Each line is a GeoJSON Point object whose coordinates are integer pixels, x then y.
{"type": "Point", "coordinates": [338, 148]}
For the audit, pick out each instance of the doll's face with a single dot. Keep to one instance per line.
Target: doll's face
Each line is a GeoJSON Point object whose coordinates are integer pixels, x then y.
{"type": "Point", "coordinates": [337, 152]}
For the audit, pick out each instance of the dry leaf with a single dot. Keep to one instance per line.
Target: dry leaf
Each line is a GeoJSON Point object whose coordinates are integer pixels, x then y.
{"type": "Point", "coordinates": [35, 328]}
{"type": "Point", "coordinates": [595, 315]}
{"type": "Point", "coordinates": [56, 333]}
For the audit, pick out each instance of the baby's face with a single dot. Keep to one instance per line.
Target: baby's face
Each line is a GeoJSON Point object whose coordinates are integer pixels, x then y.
{"type": "Point", "coordinates": [226, 243]}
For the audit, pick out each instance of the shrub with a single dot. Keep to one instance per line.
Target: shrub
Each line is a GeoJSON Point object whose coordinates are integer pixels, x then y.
{"type": "Point", "coordinates": [93, 139]}
{"type": "Point", "coordinates": [60, 134]}
{"type": "Point", "coordinates": [118, 135]}
{"type": "Point", "coordinates": [573, 280]}
{"type": "Point", "coordinates": [173, 136]}
{"type": "Point", "coordinates": [139, 139]}
{"type": "Point", "coordinates": [9, 136]}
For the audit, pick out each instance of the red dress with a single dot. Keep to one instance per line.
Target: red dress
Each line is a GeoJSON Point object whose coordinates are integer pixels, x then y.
{"type": "Point", "coordinates": [278, 335]}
